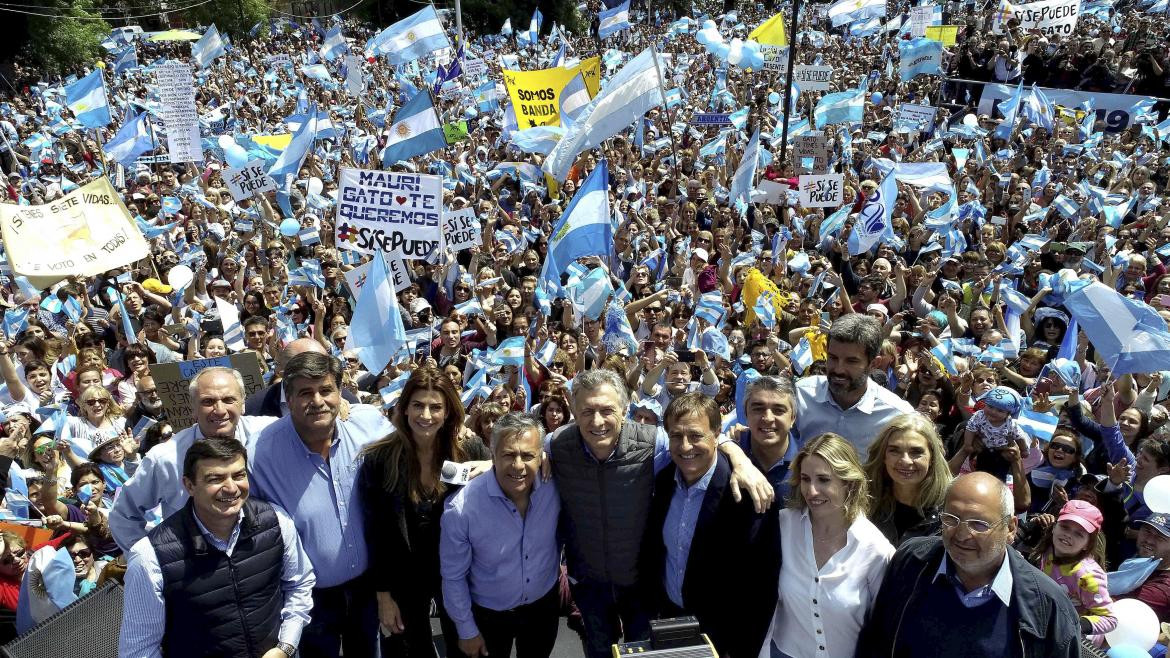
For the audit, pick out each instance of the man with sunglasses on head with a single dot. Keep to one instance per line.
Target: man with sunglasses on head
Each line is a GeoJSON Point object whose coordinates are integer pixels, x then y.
{"type": "Point", "coordinates": [969, 591]}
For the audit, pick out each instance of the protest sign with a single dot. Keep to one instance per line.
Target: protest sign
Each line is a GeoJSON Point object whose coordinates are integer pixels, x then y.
{"type": "Point", "coordinates": [177, 96]}
{"type": "Point", "coordinates": [86, 232]}
{"type": "Point", "coordinates": [947, 34]}
{"type": "Point", "coordinates": [1114, 110]}
{"type": "Point", "coordinates": [710, 119]}
{"type": "Point", "coordinates": [768, 191]}
{"type": "Point", "coordinates": [1047, 16]}
{"type": "Point", "coordinates": [455, 131]}
{"type": "Point", "coordinates": [461, 229]}
{"type": "Point", "coordinates": [810, 153]}
{"type": "Point", "coordinates": [822, 191]}
{"type": "Point", "coordinates": [775, 58]}
{"type": "Point", "coordinates": [536, 94]}
{"type": "Point", "coordinates": [249, 180]}
{"type": "Point", "coordinates": [394, 212]}
{"type": "Point", "coordinates": [920, 18]}
{"type": "Point", "coordinates": [474, 68]}
{"type": "Point", "coordinates": [399, 276]}
{"type": "Point", "coordinates": [812, 78]}
{"type": "Point", "coordinates": [174, 379]}
{"type": "Point", "coordinates": [915, 118]}
{"type": "Point", "coordinates": [282, 59]}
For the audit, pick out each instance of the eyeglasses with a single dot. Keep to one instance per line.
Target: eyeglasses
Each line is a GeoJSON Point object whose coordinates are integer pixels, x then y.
{"type": "Point", "coordinates": [976, 526]}
{"type": "Point", "coordinates": [653, 309]}
{"type": "Point", "coordinates": [83, 554]}
{"type": "Point", "coordinates": [148, 392]}
{"type": "Point", "coordinates": [13, 557]}
{"type": "Point", "coordinates": [1060, 447]}
{"type": "Point", "coordinates": [44, 448]}
{"type": "Point", "coordinates": [93, 402]}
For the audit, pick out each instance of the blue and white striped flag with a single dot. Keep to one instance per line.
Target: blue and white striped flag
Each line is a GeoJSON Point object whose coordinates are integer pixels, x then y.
{"type": "Point", "coordinates": [209, 47]}
{"type": "Point", "coordinates": [86, 98]}
{"type": "Point", "coordinates": [765, 310]}
{"type": "Point", "coordinates": [802, 356]}
{"type": "Point", "coordinates": [612, 21]}
{"type": "Point", "coordinates": [509, 352]}
{"type": "Point", "coordinates": [1039, 425]}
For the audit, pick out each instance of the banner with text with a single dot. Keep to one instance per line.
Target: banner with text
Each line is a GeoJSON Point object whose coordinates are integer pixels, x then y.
{"type": "Point", "coordinates": [176, 92]}
{"type": "Point", "coordinates": [1048, 16]}
{"type": "Point", "coordinates": [1115, 110]}
{"type": "Point", "coordinates": [812, 78]}
{"type": "Point", "coordinates": [461, 229]}
{"type": "Point", "coordinates": [822, 191]}
{"type": "Point", "coordinates": [536, 95]}
{"type": "Point", "coordinates": [249, 180]}
{"type": "Point", "coordinates": [397, 213]}
{"type": "Point", "coordinates": [173, 380]}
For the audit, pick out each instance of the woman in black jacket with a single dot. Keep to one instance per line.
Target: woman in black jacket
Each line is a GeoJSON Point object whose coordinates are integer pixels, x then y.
{"type": "Point", "coordinates": [399, 481]}
{"type": "Point", "coordinates": [908, 475]}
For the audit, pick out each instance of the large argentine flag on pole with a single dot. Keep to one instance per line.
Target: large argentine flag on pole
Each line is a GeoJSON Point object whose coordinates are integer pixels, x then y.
{"type": "Point", "coordinates": [208, 48]}
{"type": "Point", "coordinates": [633, 92]}
{"type": "Point", "coordinates": [86, 98]}
{"type": "Point", "coordinates": [851, 11]}
{"type": "Point", "coordinates": [584, 229]}
{"type": "Point", "coordinates": [416, 130]}
{"type": "Point", "coordinates": [132, 140]}
{"type": "Point", "coordinates": [410, 38]}
{"type": "Point", "coordinates": [1129, 334]}
{"type": "Point", "coordinates": [612, 21]}
{"type": "Point", "coordinates": [574, 98]}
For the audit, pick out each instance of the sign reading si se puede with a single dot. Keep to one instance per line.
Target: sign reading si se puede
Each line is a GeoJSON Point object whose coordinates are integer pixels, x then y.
{"type": "Point", "coordinates": [248, 180]}
{"type": "Point", "coordinates": [461, 229]}
{"type": "Point", "coordinates": [173, 380]}
{"type": "Point", "coordinates": [812, 78]}
{"type": "Point", "coordinates": [821, 190]}
{"type": "Point", "coordinates": [398, 213]}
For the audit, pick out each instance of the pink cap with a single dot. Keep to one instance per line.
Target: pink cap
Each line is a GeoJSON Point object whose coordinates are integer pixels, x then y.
{"type": "Point", "coordinates": [1083, 514]}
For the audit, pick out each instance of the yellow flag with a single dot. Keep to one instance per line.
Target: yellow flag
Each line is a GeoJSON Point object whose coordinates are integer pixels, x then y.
{"type": "Point", "coordinates": [536, 94]}
{"type": "Point", "coordinates": [278, 142]}
{"type": "Point", "coordinates": [947, 34]}
{"type": "Point", "coordinates": [771, 32]}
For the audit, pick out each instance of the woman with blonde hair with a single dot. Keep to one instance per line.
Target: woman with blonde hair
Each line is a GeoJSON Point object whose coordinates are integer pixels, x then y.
{"type": "Point", "coordinates": [834, 558]}
{"type": "Point", "coordinates": [908, 476]}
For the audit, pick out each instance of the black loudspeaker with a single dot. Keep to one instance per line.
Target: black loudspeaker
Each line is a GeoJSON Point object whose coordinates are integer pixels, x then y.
{"type": "Point", "coordinates": [88, 627]}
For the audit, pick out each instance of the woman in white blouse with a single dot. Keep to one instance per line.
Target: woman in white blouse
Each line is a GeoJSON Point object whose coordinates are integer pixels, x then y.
{"type": "Point", "coordinates": [834, 558]}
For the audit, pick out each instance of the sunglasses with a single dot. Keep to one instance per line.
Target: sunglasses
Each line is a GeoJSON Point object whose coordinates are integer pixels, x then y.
{"type": "Point", "coordinates": [1060, 447]}
{"type": "Point", "coordinates": [13, 557]}
{"type": "Point", "coordinates": [95, 402]}
{"type": "Point", "coordinates": [83, 554]}
{"type": "Point", "coordinates": [44, 448]}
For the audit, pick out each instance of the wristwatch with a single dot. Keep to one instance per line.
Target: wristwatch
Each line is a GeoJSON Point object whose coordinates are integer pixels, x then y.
{"type": "Point", "coordinates": [288, 649]}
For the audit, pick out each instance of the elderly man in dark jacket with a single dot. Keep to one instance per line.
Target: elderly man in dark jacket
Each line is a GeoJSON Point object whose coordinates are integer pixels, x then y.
{"type": "Point", "coordinates": [968, 593]}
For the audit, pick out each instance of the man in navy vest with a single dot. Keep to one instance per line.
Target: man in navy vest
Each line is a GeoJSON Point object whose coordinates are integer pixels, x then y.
{"type": "Point", "coordinates": [226, 575]}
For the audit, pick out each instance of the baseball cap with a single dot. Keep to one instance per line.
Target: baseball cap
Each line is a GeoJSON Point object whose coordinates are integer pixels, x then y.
{"type": "Point", "coordinates": [1083, 514]}
{"type": "Point", "coordinates": [700, 253]}
{"type": "Point", "coordinates": [1159, 522]}
{"type": "Point", "coordinates": [879, 308]}
{"type": "Point", "coordinates": [418, 305]}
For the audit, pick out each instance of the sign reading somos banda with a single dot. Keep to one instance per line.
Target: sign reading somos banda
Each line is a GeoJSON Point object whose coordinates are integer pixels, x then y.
{"type": "Point", "coordinates": [394, 212]}
{"type": "Point", "coordinates": [86, 232]}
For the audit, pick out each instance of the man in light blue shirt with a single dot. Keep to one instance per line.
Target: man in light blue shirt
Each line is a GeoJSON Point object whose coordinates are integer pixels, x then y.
{"type": "Point", "coordinates": [307, 462]}
{"type": "Point", "coordinates": [217, 400]}
{"type": "Point", "coordinates": [845, 400]}
{"type": "Point", "coordinates": [226, 575]}
{"type": "Point", "coordinates": [498, 550]}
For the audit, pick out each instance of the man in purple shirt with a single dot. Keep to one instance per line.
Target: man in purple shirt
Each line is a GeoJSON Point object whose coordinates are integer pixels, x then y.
{"type": "Point", "coordinates": [499, 552]}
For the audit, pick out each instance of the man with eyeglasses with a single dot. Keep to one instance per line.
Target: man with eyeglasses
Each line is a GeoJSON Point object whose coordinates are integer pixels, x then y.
{"type": "Point", "coordinates": [969, 589]}
{"type": "Point", "coordinates": [148, 405]}
{"type": "Point", "coordinates": [646, 312]}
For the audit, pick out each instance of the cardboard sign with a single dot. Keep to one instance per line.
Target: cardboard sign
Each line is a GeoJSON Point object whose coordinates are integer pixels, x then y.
{"type": "Point", "coordinates": [455, 131]}
{"type": "Point", "coordinates": [947, 34]}
{"type": "Point", "coordinates": [249, 180]}
{"type": "Point", "coordinates": [811, 154]}
{"type": "Point", "coordinates": [775, 58]}
{"type": "Point", "coordinates": [394, 212]}
{"type": "Point", "coordinates": [769, 191]}
{"type": "Point", "coordinates": [461, 229]}
{"type": "Point", "coordinates": [1047, 16]}
{"type": "Point", "coordinates": [915, 118]}
{"type": "Point", "coordinates": [279, 60]}
{"type": "Point", "coordinates": [812, 78]}
{"type": "Point", "coordinates": [474, 68]}
{"type": "Point", "coordinates": [173, 380]}
{"type": "Point", "coordinates": [176, 92]}
{"type": "Point", "coordinates": [920, 18]}
{"type": "Point", "coordinates": [356, 278]}
{"type": "Point", "coordinates": [822, 191]}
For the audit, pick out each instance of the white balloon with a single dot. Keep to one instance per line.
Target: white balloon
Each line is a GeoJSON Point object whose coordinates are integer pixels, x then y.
{"type": "Point", "coordinates": [702, 37]}
{"type": "Point", "coordinates": [180, 276]}
{"type": "Point", "coordinates": [735, 55]}
{"type": "Point", "coordinates": [315, 185]}
{"type": "Point", "coordinates": [971, 120]}
{"type": "Point", "coordinates": [708, 24]}
{"type": "Point", "coordinates": [1137, 624]}
{"type": "Point", "coordinates": [1157, 494]}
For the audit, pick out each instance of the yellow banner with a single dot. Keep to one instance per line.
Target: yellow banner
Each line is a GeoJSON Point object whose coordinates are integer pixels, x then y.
{"type": "Point", "coordinates": [944, 33]}
{"type": "Point", "coordinates": [536, 95]}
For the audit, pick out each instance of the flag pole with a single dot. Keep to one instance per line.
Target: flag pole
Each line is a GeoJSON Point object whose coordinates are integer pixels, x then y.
{"type": "Point", "coordinates": [792, 40]}
{"type": "Point", "coordinates": [666, 106]}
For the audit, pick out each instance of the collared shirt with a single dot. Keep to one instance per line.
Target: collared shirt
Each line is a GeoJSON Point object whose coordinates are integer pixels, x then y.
{"type": "Point", "coordinates": [158, 482]}
{"type": "Point", "coordinates": [817, 412]}
{"type": "Point", "coordinates": [491, 555]}
{"type": "Point", "coordinates": [679, 529]}
{"type": "Point", "coordinates": [1000, 587]}
{"type": "Point", "coordinates": [777, 473]}
{"type": "Point", "coordinates": [144, 613]}
{"type": "Point", "coordinates": [319, 494]}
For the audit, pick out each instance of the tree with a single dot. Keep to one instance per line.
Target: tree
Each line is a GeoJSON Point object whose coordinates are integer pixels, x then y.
{"type": "Point", "coordinates": [71, 38]}
{"type": "Point", "coordinates": [232, 17]}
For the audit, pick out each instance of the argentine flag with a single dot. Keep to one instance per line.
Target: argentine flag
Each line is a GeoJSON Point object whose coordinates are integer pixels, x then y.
{"type": "Point", "coordinates": [510, 352]}
{"type": "Point", "coordinates": [416, 130]}
{"type": "Point", "coordinates": [86, 98]}
{"type": "Point", "coordinates": [574, 98]}
{"type": "Point", "coordinates": [132, 140]}
{"type": "Point", "coordinates": [207, 48]}
{"type": "Point", "coordinates": [873, 223]}
{"type": "Point", "coordinates": [410, 38]}
{"type": "Point", "coordinates": [584, 229]}
{"type": "Point", "coordinates": [334, 45]}
{"type": "Point", "coordinates": [841, 107]}
{"type": "Point", "coordinates": [745, 174]}
{"type": "Point", "coordinates": [919, 56]}
{"type": "Point", "coordinates": [612, 21]}
{"type": "Point", "coordinates": [851, 11]}
{"type": "Point", "coordinates": [127, 59]}
{"type": "Point", "coordinates": [1130, 334]}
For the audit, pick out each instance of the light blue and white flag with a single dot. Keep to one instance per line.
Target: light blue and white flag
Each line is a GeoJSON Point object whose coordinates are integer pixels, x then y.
{"type": "Point", "coordinates": [416, 130]}
{"type": "Point", "coordinates": [334, 45]}
{"type": "Point", "coordinates": [207, 48]}
{"type": "Point", "coordinates": [741, 183]}
{"type": "Point", "coordinates": [127, 59]}
{"type": "Point", "coordinates": [1039, 425]}
{"type": "Point", "coordinates": [132, 140]}
{"type": "Point", "coordinates": [86, 98]}
{"type": "Point", "coordinates": [286, 167]}
{"type": "Point", "coordinates": [591, 293]}
{"type": "Point", "coordinates": [844, 12]}
{"type": "Point", "coordinates": [612, 21]}
{"type": "Point", "coordinates": [1130, 335]}
{"type": "Point", "coordinates": [583, 230]}
{"type": "Point", "coordinates": [631, 93]}
{"type": "Point", "coordinates": [919, 56]}
{"type": "Point", "coordinates": [410, 38]}
{"type": "Point", "coordinates": [873, 223]}
{"type": "Point", "coordinates": [802, 355]}
{"type": "Point", "coordinates": [574, 98]}
{"type": "Point", "coordinates": [510, 352]}
{"type": "Point", "coordinates": [376, 330]}
{"type": "Point", "coordinates": [841, 107]}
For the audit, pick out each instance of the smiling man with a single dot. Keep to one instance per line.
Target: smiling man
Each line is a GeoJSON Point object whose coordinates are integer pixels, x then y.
{"type": "Point", "coordinates": [499, 552]}
{"type": "Point", "coordinates": [307, 462]}
{"type": "Point", "coordinates": [226, 575]}
{"type": "Point", "coordinates": [845, 401]}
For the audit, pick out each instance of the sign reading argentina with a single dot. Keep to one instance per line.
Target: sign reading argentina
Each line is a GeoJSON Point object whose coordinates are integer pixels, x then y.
{"type": "Point", "coordinates": [394, 212]}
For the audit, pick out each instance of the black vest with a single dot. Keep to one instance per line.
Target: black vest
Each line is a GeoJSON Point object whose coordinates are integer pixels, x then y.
{"type": "Point", "coordinates": [216, 605]}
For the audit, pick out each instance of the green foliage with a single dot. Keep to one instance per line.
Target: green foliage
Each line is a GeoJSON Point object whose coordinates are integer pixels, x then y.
{"type": "Point", "coordinates": [232, 17]}
{"type": "Point", "coordinates": [73, 39]}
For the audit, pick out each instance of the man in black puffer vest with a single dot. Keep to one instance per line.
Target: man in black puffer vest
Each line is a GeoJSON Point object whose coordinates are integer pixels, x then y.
{"type": "Point", "coordinates": [226, 576]}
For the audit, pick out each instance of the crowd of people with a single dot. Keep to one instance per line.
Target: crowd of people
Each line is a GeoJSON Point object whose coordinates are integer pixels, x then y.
{"type": "Point", "coordinates": [929, 421]}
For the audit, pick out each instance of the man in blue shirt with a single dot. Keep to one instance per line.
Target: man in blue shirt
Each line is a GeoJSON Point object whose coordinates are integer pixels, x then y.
{"type": "Point", "coordinates": [770, 406]}
{"type": "Point", "coordinates": [306, 462]}
{"type": "Point", "coordinates": [709, 545]}
{"type": "Point", "coordinates": [499, 552]}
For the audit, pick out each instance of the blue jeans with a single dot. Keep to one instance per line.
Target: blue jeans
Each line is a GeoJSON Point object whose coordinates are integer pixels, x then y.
{"type": "Point", "coordinates": [345, 616]}
{"type": "Point", "coordinates": [608, 612]}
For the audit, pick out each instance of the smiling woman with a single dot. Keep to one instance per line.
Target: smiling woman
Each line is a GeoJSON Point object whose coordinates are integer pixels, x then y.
{"type": "Point", "coordinates": [908, 476]}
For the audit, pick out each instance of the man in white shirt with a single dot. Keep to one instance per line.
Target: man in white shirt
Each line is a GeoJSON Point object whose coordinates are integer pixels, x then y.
{"type": "Point", "coordinates": [844, 400]}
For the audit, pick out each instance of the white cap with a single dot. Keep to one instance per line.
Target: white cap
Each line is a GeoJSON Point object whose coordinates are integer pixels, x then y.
{"type": "Point", "coordinates": [700, 253]}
